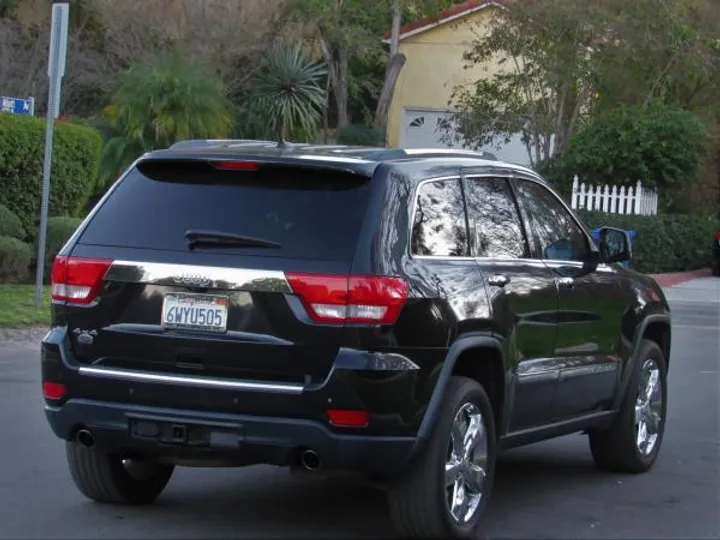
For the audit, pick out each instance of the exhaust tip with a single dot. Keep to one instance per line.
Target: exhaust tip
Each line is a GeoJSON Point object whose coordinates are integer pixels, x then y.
{"type": "Point", "coordinates": [310, 460]}
{"type": "Point", "coordinates": [85, 438]}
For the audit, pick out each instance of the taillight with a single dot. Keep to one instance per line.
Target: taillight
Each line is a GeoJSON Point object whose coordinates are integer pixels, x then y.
{"type": "Point", "coordinates": [53, 390]}
{"type": "Point", "coordinates": [350, 299]}
{"type": "Point", "coordinates": [77, 280]}
{"type": "Point", "coordinates": [348, 418]}
{"type": "Point", "coordinates": [236, 165]}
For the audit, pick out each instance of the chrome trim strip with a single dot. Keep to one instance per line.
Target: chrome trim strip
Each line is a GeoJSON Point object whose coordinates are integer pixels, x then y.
{"type": "Point", "coordinates": [184, 380]}
{"type": "Point", "coordinates": [521, 173]}
{"type": "Point", "coordinates": [603, 267]}
{"type": "Point", "coordinates": [206, 277]}
{"type": "Point", "coordinates": [333, 159]}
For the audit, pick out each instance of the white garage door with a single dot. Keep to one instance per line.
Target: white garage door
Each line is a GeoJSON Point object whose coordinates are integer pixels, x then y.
{"type": "Point", "coordinates": [424, 128]}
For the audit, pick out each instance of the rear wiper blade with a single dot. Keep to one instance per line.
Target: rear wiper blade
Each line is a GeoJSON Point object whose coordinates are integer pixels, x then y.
{"type": "Point", "coordinates": [221, 239]}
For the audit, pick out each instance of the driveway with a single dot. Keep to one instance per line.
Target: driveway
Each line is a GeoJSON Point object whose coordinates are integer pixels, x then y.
{"type": "Point", "coordinates": [550, 490]}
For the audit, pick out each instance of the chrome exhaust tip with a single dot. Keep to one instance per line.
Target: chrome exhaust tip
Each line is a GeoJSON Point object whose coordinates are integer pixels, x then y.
{"type": "Point", "coordinates": [85, 438]}
{"type": "Point", "coordinates": [310, 460]}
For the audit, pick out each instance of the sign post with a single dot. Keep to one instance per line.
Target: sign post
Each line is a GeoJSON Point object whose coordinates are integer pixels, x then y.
{"type": "Point", "coordinates": [56, 71]}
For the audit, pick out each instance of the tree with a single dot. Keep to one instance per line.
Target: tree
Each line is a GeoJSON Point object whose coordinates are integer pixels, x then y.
{"type": "Point", "coordinates": [564, 60]}
{"type": "Point", "coordinates": [289, 91]}
{"type": "Point", "coordinates": [396, 61]}
{"type": "Point", "coordinates": [343, 29]}
{"type": "Point", "coordinates": [231, 37]}
{"type": "Point", "coordinates": [159, 103]}
{"type": "Point", "coordinates": [666, 51]}
{"type": "Point", "coordinates": [351, 30]}
{"type": "Point", "coordinates": [24, 42]}
{"type": "Point", "coordinates": [7, 7]}
{"type": "Point", "coordinates": [401, 10]}
{"type": "Point", "coordinates": [546, 82]}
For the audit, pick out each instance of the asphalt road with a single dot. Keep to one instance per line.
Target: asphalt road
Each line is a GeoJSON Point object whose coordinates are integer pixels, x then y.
{"type": "Point", "coordinates": [550, 490]}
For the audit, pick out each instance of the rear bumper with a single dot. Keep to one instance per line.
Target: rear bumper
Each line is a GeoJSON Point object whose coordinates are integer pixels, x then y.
{"type": "Point", "coordinates": [224, 439]}
{"type": "Point", "coordinates": [233, 422]}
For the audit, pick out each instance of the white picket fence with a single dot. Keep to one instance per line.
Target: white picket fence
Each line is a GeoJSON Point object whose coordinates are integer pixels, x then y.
{"type": "Point", "coordinates": [615, 199]}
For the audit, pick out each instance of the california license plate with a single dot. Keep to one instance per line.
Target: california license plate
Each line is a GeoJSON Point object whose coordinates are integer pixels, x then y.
{"type": "Point", "coordinates": [203, 312]}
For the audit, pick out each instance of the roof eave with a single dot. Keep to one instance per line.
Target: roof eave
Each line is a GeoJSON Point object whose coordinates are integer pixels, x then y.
{"type": "Point", "coordinates": [445, 20]}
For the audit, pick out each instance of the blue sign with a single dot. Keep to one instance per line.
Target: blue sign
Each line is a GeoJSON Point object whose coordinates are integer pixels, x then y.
{"type": "Point", "coordinates": [16, 105]}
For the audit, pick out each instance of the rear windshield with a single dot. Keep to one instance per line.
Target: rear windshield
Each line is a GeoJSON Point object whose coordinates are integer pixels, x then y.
{"type": "Point", "coordinates": [312, 214]}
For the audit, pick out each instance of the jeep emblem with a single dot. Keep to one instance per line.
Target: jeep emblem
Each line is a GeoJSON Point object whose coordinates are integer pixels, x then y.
{"type": "Point", "coordinates": [192, 280]}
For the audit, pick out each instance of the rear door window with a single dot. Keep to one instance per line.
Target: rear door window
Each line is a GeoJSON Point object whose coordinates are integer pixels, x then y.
{"type": "Point", "coordinates": [495, 225]}
{"type": "Point", "coordinates": [312, 214]}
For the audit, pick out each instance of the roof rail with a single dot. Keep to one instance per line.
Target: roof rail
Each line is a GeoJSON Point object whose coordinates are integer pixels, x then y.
{"type": "Point", "coordinates": [400, 153]}
{"type": "Point", "coordinates": [205, 143]}
{"type": "Point", "coordinates": [450, 152]}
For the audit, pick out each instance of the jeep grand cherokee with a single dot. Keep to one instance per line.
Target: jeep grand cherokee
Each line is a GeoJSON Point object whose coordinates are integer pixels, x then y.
{"type": "Point", "coordinates": [400, 314]}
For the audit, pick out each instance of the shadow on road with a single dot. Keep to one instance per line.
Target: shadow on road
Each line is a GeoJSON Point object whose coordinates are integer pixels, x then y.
{"type": "Point", "coordinates": [264, 501]}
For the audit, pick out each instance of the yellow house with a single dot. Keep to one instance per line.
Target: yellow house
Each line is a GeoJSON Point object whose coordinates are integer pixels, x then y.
{"type": "Point", "coordinates": [434, 49]}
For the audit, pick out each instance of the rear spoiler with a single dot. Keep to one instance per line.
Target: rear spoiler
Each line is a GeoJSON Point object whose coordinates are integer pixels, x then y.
{"type": "Point", "coordinates": [241, 161]}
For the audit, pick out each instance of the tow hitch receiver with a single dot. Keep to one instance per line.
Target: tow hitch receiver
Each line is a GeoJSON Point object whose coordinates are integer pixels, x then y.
{"type": "Point", "coordinates": [170, 433]}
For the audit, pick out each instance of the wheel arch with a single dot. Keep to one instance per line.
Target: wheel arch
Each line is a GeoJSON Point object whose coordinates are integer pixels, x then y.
{"type": "Point", "coordinates": [659, 331]}
{"type": "Point", "coordinates": [655, 327]}
{"type": "Point", "coordinates": [478, 357]}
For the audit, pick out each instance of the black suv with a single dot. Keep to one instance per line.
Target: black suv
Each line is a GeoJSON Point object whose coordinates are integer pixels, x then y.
{"type": "Point", "coordinates": [400, 314]}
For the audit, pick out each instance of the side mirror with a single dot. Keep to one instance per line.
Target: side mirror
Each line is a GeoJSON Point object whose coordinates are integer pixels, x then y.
{"type": "Point", "coordinates": [615, 245]}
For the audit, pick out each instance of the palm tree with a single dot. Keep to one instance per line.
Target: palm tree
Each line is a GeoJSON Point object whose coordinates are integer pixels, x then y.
{"type": "Point", "coordinates": [289, 90]}
{"type": "Point", "coordinates": [157, 104]}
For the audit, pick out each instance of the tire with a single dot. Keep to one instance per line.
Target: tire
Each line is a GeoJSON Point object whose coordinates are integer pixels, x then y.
{"type": "Point", "coordinates": [616, 448]}
{"type": "Point", "coordinates": [105, 478]}
{"type": "Point", "coordinates": [419, 502]}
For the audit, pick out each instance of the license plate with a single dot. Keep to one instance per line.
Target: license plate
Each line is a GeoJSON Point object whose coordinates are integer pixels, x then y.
{"type": "Point", "coordinates": [195, 312]}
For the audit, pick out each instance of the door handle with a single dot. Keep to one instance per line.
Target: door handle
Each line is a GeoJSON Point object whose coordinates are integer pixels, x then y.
{"type": "Point", "coordinates": [498, 280]}
{"type": "Point", "coordinates": [566, 282]}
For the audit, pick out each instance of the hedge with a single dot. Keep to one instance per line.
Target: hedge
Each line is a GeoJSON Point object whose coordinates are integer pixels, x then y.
{"type": "Point", "coordinates": [59, 231]}
{"type": "Point", "coordinates": [15, 257]}
{"type": "Point", "coordinates": [75, 165]}
{"type": "Point", "coordinates": [665, 242]}
{"type": "Point", "coordinates": [10, 224]}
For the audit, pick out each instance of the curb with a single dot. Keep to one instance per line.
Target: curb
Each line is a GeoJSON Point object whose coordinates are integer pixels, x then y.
{"type": "Point", "coordinates": [671, 280]}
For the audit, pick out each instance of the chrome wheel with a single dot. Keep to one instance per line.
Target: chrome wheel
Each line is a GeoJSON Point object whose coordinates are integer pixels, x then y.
{"type": "Point", "coordinates": [466, 465]}
{"type": "Point", "coordinates": [648, 408]}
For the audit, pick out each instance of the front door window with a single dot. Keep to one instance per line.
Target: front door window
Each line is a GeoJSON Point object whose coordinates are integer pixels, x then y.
{"type": "Point", "coordinates": [555, 233]}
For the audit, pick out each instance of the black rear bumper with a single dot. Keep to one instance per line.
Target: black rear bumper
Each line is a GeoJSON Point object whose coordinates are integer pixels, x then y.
{"type": "Point", "coordinates": [199, 438]}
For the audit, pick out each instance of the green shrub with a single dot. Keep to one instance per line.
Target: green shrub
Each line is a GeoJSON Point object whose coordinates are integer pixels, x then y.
{"type": "Point", "coordinates": [10, 224]}
{"type": "Point", "coordinates": [59, 231]}
{"type": "Point", "coordinates": [15, 257]}
{"type": "Point", "coordinates": [627, 144]}
{"type": "Point", "coordinates": [361, 135]}
{"type": "Point", "coordinates": [75, 164]}
{"type": "Point", "coordinates": [665, 242]}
